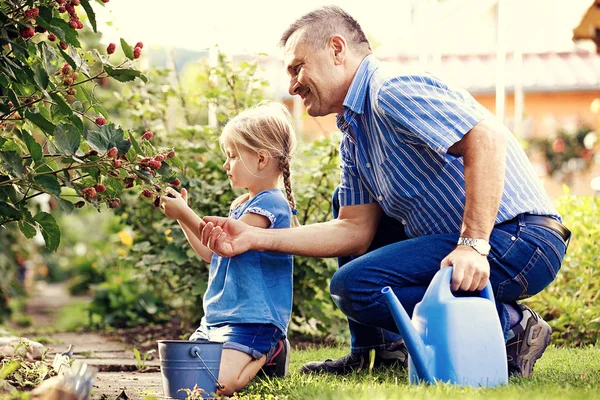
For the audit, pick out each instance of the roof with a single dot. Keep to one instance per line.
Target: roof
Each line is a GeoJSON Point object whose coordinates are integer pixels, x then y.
{"type": "Point", "coordinates": [539, 72]}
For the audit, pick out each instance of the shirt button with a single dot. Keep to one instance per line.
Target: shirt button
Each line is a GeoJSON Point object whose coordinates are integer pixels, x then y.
{"type": "Point", "coordinates": [368, 165]}
{"type": "Point", "coordinates": [403, 222]}
{"type": "Point", "coordinates": [380, 198]}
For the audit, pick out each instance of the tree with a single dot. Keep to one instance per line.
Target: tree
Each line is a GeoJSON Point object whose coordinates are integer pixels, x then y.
{"type": "Point", "coordinates": [54, 135]}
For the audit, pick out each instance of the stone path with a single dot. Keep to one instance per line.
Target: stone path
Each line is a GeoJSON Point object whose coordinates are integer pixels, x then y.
{"type": "Point", "coordinates": [114, 360]}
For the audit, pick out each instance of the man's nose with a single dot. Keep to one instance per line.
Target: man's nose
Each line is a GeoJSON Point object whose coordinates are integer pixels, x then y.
{"type": "Point", "coordinates": [294, 86]}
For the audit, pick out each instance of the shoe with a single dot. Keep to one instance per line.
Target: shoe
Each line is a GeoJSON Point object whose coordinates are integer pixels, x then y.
{"type": "Point", "coordinates": [395, 356]}
{"type": "Point", "coordinates": [279, 362]}
{"type": "Point", "coordinates": [530, 339]}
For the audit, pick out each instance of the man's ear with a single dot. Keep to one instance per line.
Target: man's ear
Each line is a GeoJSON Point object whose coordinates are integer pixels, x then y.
{"type": "Point", "coordinates": [263, 158]}
{"type": "Point", "coordinates": [338, 45]}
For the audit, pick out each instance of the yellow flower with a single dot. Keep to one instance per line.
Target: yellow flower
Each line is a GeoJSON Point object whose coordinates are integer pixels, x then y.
{"type": "Point", "coordinates": [126, 238]}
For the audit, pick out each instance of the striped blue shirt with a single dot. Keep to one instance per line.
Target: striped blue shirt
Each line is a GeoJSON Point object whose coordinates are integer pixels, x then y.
{"type": "Point", "coordinates": [397, 128]}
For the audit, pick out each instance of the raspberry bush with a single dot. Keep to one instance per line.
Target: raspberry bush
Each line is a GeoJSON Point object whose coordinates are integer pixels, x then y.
{"type": "Point", "coordinates": [55, 136]}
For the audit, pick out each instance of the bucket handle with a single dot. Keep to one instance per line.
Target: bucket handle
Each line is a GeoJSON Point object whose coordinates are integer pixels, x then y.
{"type": "Point", "coordinates": [195, 352]}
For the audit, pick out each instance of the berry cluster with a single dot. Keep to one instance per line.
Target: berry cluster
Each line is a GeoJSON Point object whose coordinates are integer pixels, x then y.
{"type": "Point", "coordinates": [120, 162]}
{"type": "Point", "coordinates": [69, 76]}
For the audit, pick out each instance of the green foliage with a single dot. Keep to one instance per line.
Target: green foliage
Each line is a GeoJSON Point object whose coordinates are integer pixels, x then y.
{"type": "Point", "coordinates": [568, 152]}
{"type": "Point", "coordinates": [570, 304]}
{"type": "Point", "coordinates": [53, 134]}
{"type": "Point", "coordinates": [142, 361]}
{"type": "Point", "coordinates": [22, 373]}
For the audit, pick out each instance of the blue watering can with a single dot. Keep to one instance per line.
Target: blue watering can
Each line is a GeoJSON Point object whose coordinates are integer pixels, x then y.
{"type": "Point", "coordinates": [452, 339]}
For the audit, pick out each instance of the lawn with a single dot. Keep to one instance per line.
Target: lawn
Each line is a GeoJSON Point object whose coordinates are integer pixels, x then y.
{"type": "Point", "coordinates": [560, 374]}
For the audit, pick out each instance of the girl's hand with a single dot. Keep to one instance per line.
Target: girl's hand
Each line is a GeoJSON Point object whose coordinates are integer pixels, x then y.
{"type": "Point", "coordinates": [174, 204]}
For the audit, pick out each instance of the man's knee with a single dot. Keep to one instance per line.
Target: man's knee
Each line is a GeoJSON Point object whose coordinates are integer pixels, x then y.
{"type": "Point", "coordinates": [341, 289]}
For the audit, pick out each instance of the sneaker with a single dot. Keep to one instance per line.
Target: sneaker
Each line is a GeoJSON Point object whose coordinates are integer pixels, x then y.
{"type": "Point", "coordinates": [279, 362]}
{"type": "Point", "coordinates": [395, 356]}
{"type": "Point", "coordinates": [527, 342]}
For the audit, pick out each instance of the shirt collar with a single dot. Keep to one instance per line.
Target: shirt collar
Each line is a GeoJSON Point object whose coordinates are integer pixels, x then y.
{"type": "Point", "coordinates": [355, 98]}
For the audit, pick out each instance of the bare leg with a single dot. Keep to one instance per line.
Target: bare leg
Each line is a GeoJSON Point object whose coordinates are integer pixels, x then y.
{"type": "Point", "coordinates": [237, 369]}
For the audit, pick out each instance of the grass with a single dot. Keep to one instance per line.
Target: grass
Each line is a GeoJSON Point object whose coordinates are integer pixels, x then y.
{"type": "Point", "coordinates": [560, 374]}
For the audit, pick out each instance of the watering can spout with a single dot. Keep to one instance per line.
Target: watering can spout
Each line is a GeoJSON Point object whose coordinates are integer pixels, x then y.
{"type": "Point", "coordinates": [415, 345]}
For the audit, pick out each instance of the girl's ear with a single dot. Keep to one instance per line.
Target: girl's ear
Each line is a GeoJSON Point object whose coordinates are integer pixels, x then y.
{"type": "Point", "coordinates": [263, 158]}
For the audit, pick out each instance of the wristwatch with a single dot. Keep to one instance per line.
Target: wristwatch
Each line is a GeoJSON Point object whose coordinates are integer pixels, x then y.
{"type": "Point", "coordinates": [479, 245]}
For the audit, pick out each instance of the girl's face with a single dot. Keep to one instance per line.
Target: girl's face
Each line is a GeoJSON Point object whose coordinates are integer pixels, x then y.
{"type": "Point", "coordinates": [241, 166]}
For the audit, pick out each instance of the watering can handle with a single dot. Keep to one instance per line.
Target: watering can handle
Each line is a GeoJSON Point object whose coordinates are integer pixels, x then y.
{"type": "Point", "coordinates": [195, 352]}
{"type": "Point", "coordinates": [444, 275]}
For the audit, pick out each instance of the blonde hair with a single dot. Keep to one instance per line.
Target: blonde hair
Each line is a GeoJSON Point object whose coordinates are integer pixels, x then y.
{"type": "Point", "coordinates": [267, 126]}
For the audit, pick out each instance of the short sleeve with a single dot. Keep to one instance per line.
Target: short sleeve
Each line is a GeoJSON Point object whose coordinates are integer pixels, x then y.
{"type": "Point", "coordinates": [351, 190]}
{"type": "Point", "coordinates": [272, 205]}
{"type": "Point", "coordinates": [427, 111]}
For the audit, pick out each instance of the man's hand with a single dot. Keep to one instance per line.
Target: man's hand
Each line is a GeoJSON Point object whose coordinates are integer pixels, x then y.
{"type": "Point", "coordinates": [226, 237]}
{"type": "Point", "coordinates": [174, 203]}
{"type": "Point", "coordinates": [471, 269]}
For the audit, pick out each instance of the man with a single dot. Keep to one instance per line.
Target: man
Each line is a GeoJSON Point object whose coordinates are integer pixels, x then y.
{"type": "Point", "coordinates": [429, 179]}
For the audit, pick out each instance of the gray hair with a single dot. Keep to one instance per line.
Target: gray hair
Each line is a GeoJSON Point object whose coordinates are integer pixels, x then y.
{"type": "Point", "coordinates": [319, 25]}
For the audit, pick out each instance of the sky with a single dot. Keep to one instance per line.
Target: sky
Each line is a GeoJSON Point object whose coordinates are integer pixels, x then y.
{"type": "Point", "coordinates": [255, 26]}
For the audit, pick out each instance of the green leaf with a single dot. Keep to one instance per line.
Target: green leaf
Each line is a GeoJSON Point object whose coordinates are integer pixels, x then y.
{"type": "Point", "coordinates": [13, 97]}
{"type": "Point", "coordinates": [77, 123]}
{"type": "Point", "coordinates": [135, 144]}
{"type": "Point", "coordinates": [127, 50]}
{"type": "Point", "coordinates": [90, 13]}
{"type": "Point", "coordinates": [9, 211]}
{"type": "Point", "coordinates": [67, 139]}
{"type": "Point", "coordinates": [35, 149]}
{"type": "Point", "coordinates": [14, 165]}
{"type": "Point", "coordinates": [49, 183]}
{"type": "Point", "coordinates": [165, 170]}
{"type": "Point", "coordinates": [28, 230]}
{"type": "Point", "coordinates": [67, 57]}
{"type": "Point", "coordinates": [41, 122]}
{"type": "Point", "coordinates": [49, 228]}
{"type": "Point", "coordinates": [124, 74]}
{"type": "Point", "coordinates": [61, 103]}
{"type": "Point", "coordinates": [177, 162]}
{"type": "Point", "coordinates": [2, 141]}
{"type": "Point", "coordinates": [3, 80]}
{"type": "Point", "coordinates": [108, 136]}
{"type": "Point", "coordinates": [66, 205]}
{"type": "Point", "coordinates": [41, 77]}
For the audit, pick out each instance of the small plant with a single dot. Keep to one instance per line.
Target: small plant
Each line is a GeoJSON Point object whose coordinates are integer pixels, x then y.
{"type": "Point", "coordinates": [195, 394]}
{"type": "Point", "coordinates": [22, 373]}
{"type": "Point", "coordinates": [142, 364]}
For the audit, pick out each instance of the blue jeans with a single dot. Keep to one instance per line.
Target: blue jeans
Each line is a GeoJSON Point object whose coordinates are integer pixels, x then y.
{"type": "Point", "coordinates": [524, 260]}
{"type": "Point", "coordinates": [255, 340]}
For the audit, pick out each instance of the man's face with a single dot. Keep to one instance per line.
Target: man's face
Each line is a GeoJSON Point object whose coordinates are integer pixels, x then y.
{"type": "Point", "coordinates": [314, 76]}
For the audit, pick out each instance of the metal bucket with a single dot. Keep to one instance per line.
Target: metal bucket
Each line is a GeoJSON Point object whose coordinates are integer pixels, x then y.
{"type": "Point", "coordinates": [189, 364]}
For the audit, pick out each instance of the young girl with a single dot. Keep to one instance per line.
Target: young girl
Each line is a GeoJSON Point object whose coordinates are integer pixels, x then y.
{"type": "Point", "coordinates": [248, 302]}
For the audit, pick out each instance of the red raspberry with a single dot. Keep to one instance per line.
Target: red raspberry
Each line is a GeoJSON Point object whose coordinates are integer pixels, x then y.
{"type": "Point", "coordinates": [105, 1]}
{"type": "Point", "coordinates": [154, 164]}
{"type": "Point", "coordinates": [70, 9]}
{"type": "Point", "coordinates": [157, 202]}
{"type": "Point", "coordinates": [139, 45]}
{"type": "Point", "coordinates": [100, 121]}
{"type": "Point", "coordinates": [160, 157]}
{"type": "Point", "coordinates": [10, 104]}
{"type": "Point", "coordinates": [62, 9]}
{"type": "Point", "coordinates": [40, 29]}
{"type": "Point", "coordinates": [52, 37]}
{"type": "Point", "coordinates": [111, 48]}
{"type": "Point", "coordinates": [64, 46]}
{"type": "Point", "coordinates": [88, 193]}
{"type": "Point", "coordinates": [100, 188]}
{"type": "Point", "coordinates": [66, 69]}
{"type": "Point", "coordinates": [71, 91]}
{"type": "Point", "coordinates": [27, 33]}
{"type": "Point", "coordinates": [73, 24]}
{"type": "Point", "coordinates": [92, 153]}
{"type": "Point", "coordinates": [61, 2]}
{"type": "Point", "coordinates": [171, 154]}
{"type": "Point", "coordinates": [112, 152]}
{"type": "Point", "coordinates": [79, 24]}
{"type": "Point", "coordinates": [75, 75]}
{"type": "Point", "coordinates": [137, 52]}
{"type": "Point", "coordinates": [117, 163]}
{"type": "Point", "coordinates": [68, 81]}
{"type": "Point", "coordinates": [114, 203]}
{"type": "Point", "coordinates": [32, 13]}
{"type": "Point", "coordinates": [175, 182]}
{"type": "Point", "coordinates": [145, 160]}
{"type": "Point", "coordinates": [129, 184]}
{"type": "Point", "coordinates": [75, 2]}
{"type": "Point", "coordinates": [147, 193]}
{"type": "Point", "coordinates": [147, 135]}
